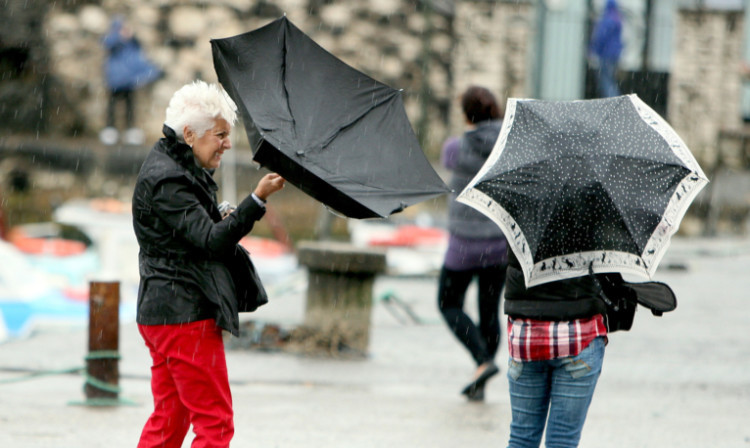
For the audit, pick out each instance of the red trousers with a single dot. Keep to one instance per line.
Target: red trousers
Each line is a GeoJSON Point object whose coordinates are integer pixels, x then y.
{"type": "Point", "coordinates": [190, 386]}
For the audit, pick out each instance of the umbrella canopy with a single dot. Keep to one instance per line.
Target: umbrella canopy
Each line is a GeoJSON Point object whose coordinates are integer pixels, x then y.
{"type": "Point", "coordinates": [335, 133]}
{"type": "Point", "coordinates": [579, 185]}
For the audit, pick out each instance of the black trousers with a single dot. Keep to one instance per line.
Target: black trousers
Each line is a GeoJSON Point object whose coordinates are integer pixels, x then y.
{"type": "Point", "coordinates": [482, 340]}
{"type": "Point", "coordinates": [125, 96]}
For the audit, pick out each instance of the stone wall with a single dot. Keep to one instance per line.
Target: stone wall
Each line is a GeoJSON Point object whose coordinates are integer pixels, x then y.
{"type": "Point", "coordinates": [705, 82]}
{"type": "Point", "coordinates": [493, 40]}
{"type": "Point", "coordinates": [387, 39]}
{"type": "Point", "coordinates": [51, 56]}
{"type": "Point", "coordinates": [23, 63]}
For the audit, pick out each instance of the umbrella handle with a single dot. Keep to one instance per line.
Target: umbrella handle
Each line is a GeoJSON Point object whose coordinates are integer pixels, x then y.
{"type": "Point", "coordinates": [602, 294]}
{"type": "Point", "coordinates": [601, 288]}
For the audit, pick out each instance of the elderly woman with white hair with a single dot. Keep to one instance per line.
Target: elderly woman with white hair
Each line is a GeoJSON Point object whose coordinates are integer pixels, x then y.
{"type": "Point", "coordinates": [195, 277]}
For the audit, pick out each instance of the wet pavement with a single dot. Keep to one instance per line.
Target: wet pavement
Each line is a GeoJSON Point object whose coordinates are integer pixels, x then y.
{"type": "Point", "coordinates": [682, 380]}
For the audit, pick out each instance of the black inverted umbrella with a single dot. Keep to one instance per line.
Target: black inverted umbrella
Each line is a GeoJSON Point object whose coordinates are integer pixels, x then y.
{"type": "Point", "coordinates": [335, 133]}
{"type": "Point", "coordinates": [580, 185]}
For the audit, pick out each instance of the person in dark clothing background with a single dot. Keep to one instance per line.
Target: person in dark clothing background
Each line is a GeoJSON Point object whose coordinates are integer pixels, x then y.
{"type": "Point", "coordinates": [476, 245]}
{"type": "Point", "coordinates": [195, 277]}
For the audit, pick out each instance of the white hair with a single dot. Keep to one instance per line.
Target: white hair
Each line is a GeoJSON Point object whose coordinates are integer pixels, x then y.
{"type": "Point", "coordinates": [197, 105]}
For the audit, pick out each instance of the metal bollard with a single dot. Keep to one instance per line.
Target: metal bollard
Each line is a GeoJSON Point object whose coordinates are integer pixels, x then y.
{"type": "Point", "coordinates": [102, 362]}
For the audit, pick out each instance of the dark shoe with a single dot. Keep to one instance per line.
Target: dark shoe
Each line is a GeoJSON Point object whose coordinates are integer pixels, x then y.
{"type": "Point", "coordinates": [476, 394]}
{"type": "Point", "coordinates": [478, 383]}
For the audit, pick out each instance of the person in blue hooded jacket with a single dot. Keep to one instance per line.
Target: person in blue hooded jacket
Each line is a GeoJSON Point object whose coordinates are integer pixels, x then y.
{"type": "Point", "coordinates": [126, 69]}
{"type": "Point", "coordinates": [606, 45]}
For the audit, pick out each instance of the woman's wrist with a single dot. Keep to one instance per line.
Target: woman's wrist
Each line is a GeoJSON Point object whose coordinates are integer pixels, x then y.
{"type": "Point", "coordinates": [261, 201]}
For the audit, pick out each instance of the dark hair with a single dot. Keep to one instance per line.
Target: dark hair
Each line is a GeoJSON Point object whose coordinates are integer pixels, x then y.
{"type": "Point", "coordinates": [479, 105]}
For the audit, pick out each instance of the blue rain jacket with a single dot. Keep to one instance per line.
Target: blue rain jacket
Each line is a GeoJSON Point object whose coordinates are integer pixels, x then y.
{"type": "Point", "coordinates": [126, 67]}
{"type": "Point", "coordinates": [606, 41]}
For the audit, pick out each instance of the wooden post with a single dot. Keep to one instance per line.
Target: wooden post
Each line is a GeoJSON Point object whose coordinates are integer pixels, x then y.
{"type": "Point", "coordinates": [102, 361]}
{"type": "Point", "coordinates": [339, 291]}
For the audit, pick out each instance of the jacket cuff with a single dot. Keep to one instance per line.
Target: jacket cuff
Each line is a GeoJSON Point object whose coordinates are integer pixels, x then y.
{"type": "Point", "coordinates": [258, 200]}
{"type": "Point", "coordinates": [250, 209]}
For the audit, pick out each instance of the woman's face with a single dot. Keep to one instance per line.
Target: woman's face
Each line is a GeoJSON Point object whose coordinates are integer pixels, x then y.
{"type": "Point", "coordinates": [209, 148]}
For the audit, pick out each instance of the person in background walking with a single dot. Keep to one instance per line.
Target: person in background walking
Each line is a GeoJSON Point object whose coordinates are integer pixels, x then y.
{"type": "Point", "coordinates": [606, 46]}
{"type": "Point", "coordinates": [195, 277]}
{"type": "Point", "coordinates": [476, 245]}
{"type": "Point", "coordinates": [126, 70]}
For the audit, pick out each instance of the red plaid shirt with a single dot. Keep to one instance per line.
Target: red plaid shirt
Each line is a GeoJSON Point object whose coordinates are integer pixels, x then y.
{"type": "Point", "coordinates": [541, 340]}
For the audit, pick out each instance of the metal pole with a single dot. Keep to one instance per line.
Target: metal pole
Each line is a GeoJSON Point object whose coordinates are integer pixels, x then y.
{"type": "Point", "coordinates": [590, 20]}
{"type": "Point", "coordinates": [541, 21]}
{"type": "Point", "coordinates": [229, 172]}
{"type": "Point", "coordinates": [102, 361]}
{"type": "Point", "coordinates": [645, 63]}
{"type": "Point", "coordinates": [424, 91]}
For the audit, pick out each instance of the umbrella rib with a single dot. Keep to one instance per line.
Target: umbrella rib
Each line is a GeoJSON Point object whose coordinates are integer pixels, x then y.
{"type": "Point", "coordinates": [327, 141]}
{"type": "Point", "coordinates": [284, 80]}
{"type": "Point", "coordinates": [606, 190]}
{"type": "Point", "coordinates": [626, 219]}
{"type": "Point", "coordinates": [611, 113]}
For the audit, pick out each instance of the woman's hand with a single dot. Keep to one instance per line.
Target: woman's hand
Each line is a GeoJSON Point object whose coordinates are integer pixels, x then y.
{"type": "Point", "coordinates": [269, 184]}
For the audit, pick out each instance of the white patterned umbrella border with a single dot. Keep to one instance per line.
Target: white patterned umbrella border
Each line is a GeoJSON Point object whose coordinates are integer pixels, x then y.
{"type": "Point", "coordinates": [579, 264]}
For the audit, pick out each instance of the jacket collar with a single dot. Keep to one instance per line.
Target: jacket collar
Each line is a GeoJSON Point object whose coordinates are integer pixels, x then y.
{"type": "Point", "coordinates": [183, 154]}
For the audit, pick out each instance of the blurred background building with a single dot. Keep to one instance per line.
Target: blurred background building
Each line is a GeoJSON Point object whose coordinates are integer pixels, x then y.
{"type": "Point", "coordinates": [51, 56]}
{"type": "Point", "coordinates": [682, 57]}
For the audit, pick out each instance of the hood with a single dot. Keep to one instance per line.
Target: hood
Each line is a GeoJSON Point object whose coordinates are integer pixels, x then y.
{"type": "Point", "coordinates": [116, 24]}
{"type": "Point", "coordinates": [482, 138]}
{"type": "Point", "coordinates": [477, 145]}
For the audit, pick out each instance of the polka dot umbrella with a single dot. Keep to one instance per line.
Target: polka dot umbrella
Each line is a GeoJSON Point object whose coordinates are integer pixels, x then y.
{"type": "Point", "coordinates": [592, 185]}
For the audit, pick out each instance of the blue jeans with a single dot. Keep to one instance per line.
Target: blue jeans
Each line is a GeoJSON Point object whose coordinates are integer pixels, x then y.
{"type": "Point", "coordinates": [556, 392]}
{"type": "Point", "coordinates": [607, 82]}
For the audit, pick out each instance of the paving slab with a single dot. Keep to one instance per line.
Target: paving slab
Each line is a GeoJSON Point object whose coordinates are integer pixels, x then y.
{"type": "Point", "coordinates": [681, 380]}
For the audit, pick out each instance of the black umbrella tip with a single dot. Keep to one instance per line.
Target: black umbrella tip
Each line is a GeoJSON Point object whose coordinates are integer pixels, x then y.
{"type": "Point", "coordinates": [401, 207]}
